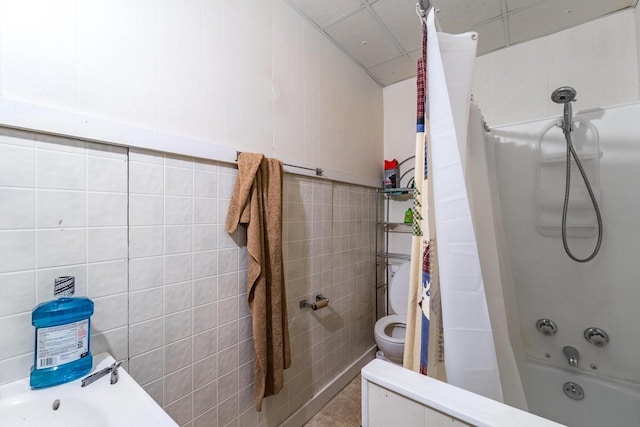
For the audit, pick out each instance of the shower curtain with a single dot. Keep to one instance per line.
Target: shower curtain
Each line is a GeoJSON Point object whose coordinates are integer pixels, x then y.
{"type": "Point", "coordinates": [424, 350]}
{"type": "Point", "coordinates": [477, 352]}
{"type": "Point", "coordinates": [481, 182]}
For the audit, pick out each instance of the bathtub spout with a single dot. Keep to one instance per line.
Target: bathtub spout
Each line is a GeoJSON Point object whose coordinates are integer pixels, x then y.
{"type": "Point", "coordinates": [572, 355]}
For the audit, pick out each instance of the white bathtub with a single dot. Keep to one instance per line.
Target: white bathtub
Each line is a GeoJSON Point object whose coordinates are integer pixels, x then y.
{"type": "Point", "coordinates": [607, 402]}
{"type": "Point", "coordinates": [394, 396]}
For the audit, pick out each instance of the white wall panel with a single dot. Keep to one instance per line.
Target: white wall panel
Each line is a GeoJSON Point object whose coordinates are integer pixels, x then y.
{"type": "Point", "coordinates": [400, 120]}
{"type": "Point", "coordinates": [311, 94]}
{"type": "Point", "coordinates": [250, 76]}
{"type": "Point", "coordinates": [348, 124]}
{"type": "Point", "coordinates": [180, 79]}
{"type": "Point", "coordinates": [598, 59]}
{"type": "Point", "coordinates": [213, 65]}
{"type": "Point", "coordinates": [248, 86]}
{"type": "Point", "coordinates": [39, 47]}
{"type": "Point", "coordinates": [118, 60]}
{"type": "Point", "coordinates": [285, 142]}
{"type": "Point", "coordinates": [325, 79]}
{"type": "Point", "coordinates": [512, 84]}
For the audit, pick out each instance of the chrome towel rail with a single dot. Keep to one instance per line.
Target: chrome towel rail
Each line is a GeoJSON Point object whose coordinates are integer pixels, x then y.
{"type": "Point", "coordinates": [318, 171]}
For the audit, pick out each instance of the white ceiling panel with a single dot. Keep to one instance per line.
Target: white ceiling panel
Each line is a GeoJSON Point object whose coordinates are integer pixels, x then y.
{"type": "Point", "coordinates": [458, 16]}
{"type": "Point", "coordinates": [491, 36]}
{"type": "Point", "coordinates": [520, 4]}
{"type": "Point", "coordinates": [393, 71]}
{"type": "Point", "coordinates": [415, 55]}
{"type": "Point", "coordinates": [401, 19]}
{"type": "Point", "coordinates": [552, 16]}
{"type": "Point", "coordinates": [392, 32]}
{"type": "Point", "coordinates": [324, 12]}
{"type": "Point", "coordinates": [364, 39]}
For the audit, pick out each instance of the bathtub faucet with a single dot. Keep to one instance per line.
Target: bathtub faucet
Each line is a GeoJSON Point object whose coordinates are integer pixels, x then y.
{"type": "Point", "coordinates": [572, 355]}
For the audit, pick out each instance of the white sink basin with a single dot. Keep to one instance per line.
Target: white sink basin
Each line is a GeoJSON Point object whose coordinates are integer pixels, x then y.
{"type": "Point", "coordinates": [99, 404]}
{"type": "Point", "coordinates": [36, 412]}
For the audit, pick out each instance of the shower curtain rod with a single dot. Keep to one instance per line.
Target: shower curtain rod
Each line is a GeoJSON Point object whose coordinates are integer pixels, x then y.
{"type": "Point", "coordinates": [422, 7]}
{"type": "Point", "coordinates": [318, 171]}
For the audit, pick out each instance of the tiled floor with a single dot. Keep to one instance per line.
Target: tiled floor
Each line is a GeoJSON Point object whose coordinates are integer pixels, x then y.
{"type": "Point", "coordinates": [343, 410]}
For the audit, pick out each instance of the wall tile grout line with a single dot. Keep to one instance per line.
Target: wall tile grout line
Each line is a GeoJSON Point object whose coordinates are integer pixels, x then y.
{"type": "Point", "coordinates": [164, 268]}
{"type": "Point", "coordinates": [193, 186]}
{"type": "Point", "coordinates": [36, 224]}
{"type": "Point", "coordinates": [128, 260]}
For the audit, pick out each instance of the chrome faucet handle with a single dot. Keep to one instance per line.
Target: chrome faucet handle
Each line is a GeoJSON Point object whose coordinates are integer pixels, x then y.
{"type": "Point", "coordinates": [95, 376]}
{"type": "Point", "coordinates": [101, 373]}
{"type": "Point", "coordinates": [115, 376]}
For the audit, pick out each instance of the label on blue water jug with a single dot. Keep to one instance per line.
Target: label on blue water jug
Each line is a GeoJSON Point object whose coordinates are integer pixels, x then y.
{"type": "Point", "coordinates": [62, 344]}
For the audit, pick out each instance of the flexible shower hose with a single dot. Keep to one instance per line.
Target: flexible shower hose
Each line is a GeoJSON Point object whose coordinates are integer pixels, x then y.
{"type": "Point", "coordinates": [572, 152]}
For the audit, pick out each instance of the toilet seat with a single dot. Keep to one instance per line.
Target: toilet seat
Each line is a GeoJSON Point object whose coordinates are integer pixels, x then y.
{"type": "Point", "coordinates": [384, 322]}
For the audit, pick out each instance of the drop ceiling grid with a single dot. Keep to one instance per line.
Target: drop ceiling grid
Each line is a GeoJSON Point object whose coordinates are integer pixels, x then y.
{"type": "Point", "coordinates": [391, 29]}
{"type": "Point", "coordinates": [364, 37]}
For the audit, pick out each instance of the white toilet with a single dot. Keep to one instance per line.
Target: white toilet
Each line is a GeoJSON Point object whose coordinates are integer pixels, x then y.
{"type": "Point", "coordinates": [390, 330]}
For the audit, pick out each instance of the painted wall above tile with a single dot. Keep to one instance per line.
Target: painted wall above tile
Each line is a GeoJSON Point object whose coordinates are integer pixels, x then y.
{"type": "Point", "coordinates": [215, 76]}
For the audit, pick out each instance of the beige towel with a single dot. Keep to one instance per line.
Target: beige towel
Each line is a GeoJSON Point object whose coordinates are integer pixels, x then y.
{"type": "Point", "coordinates": [257, 203]}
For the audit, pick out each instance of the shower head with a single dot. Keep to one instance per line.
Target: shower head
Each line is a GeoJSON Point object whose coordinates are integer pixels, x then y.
{"type": "Point", "coordinates": [564, 94]}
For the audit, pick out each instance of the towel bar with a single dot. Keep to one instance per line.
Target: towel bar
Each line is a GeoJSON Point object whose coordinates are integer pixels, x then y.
{"type": "Point", "coordinates": [318, 171]}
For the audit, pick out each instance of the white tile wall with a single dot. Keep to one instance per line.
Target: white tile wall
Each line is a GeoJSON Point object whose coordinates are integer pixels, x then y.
{"type": "Point", "coordinates": [64, 212]}
{"type": "Point", "coordinates": [191, 321]}
{"type": "Point", "coordinates": [68, 206]}
{"type": "Point", "coordinates": [15, 156]}
{"type": "Point", "coordinates": [23, 216]}
{"type": "Point", "coordinates": [163, 263]}
{"type": "Point", "coordinates": [328, 249]}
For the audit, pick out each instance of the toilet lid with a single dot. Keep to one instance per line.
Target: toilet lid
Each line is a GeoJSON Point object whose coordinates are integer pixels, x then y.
{"type": "Point", "coordinates": [399, 290]}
